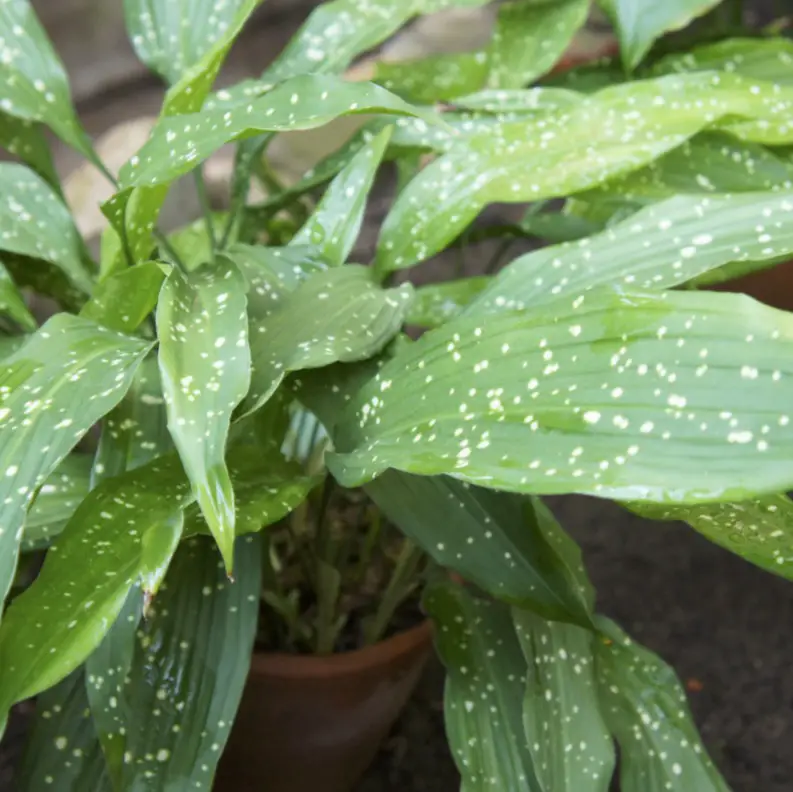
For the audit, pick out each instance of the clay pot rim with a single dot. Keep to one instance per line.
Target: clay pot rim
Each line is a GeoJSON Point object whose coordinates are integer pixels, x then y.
{"type": "Point", "coordinates": [292, 666]}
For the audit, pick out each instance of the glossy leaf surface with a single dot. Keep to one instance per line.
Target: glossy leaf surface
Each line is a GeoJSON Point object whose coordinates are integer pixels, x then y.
{"type": "Point", "coordinates": [679, 396]}
{"type": "Point", "coordinates": [645, 708]}
{"type": "Point", "coordinates": [336, 222]}
{"type": "Point", "coordinates": [52, 390]}
{"type": "Point", "coordinates": [435, 304]}
{"type": "Point", "coordinates": [509, 546]}
{"type": "Point", "coordinates": [205, 366]}
{"type": "Point", "coordinates": [35, 222]}
{"type": "Point", "coordinates": [337, 315]}
{"type": "Point", "coordinates": [26, 140]}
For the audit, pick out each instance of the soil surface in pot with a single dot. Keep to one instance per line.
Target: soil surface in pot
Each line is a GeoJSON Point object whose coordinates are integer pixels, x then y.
{"type": "Point", "coordinates": [724, 625]}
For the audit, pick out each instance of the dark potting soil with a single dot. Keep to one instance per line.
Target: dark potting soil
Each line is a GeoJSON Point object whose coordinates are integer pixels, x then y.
{"type": "Point", "coordinates": [726, 627]}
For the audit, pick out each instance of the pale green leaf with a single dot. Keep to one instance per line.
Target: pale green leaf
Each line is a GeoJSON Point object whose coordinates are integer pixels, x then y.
{"type": "Point", "coordinates": [508, 545]}
{"type": "Point", "coordinates": [35, 85]}
{"type": "Point", "coordinates": [485, 684]}
{"type": "Point", "coordinates": [524, 101]}
{"type": "Point", "coordinates": [26, 140]}
{"type": "Point", "coordinates": [334, 226]}
{"type": "Point", "coordinates": [35, 222]}
{"type": "Point", "coordinates": [679, 396]}
{"type": "Point", "coordinates": [205, 366]}
{"type": "Point", "coordinates": [568, 740]}
{"type": "Point", "coordinates": [663, 245]}
{"type": "Point", "coordinates": [530, 37]}
{"type": "Point", "coordinates": [52, 390]}
{"type": "Point", "coordinates": [340, 314]}
{"type": "Point", "coordinates": [63, 752]}
{"type": "Point", "coordinates": [12, 303]}
{"type": "Point", "coordinates": [203, 625]}
{"type": "Point", "coordinates": [56, 623]}
{"type": "Point", "coordinates": [124, 299]}
{"type": "Point", "coordinates": [607, 134]}
{"type": "Point", "coordinates": [761, 531]}
{"type": "Point", "coordinates": [640, 22]}
{"type": "Point", "coordinates": [645, 708]}
{"type": "Point", "coordinates": [435, 304]}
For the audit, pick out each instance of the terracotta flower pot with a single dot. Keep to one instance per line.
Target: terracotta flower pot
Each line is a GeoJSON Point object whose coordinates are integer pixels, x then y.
{"type": "Point", "coordinates": [314, 724]}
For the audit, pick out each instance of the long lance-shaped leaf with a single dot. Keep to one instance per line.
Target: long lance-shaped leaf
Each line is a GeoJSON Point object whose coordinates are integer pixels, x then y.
{"type": "Point", "coordinates": [12, 303]}
{"type": "Point", "coordinates": [761, 531]}
{"type": "Point", "coordinates": [663, 245]}
{"type": "Point", "coordinates": [35, 222]}
{"type": "Point", "coordinates": [63, 752]}
{"type": "Point", "coordinates": [337, 32]}
{"type": "Point", "coordinates": [203, 625]}
{"type": "Point", "coordinates": [640, 22]}
{"type": "Point", "coordinates": [508, 545]}
{"type": "Point", "coordinates": [485, 685]}
{"type": "Point", "coordinates": [337, 315]}
{"type": "Point", "coordinates": [568, 740]}
{"type": "Point", "coordinates": [530, 37]}
{"type": "Point", "coordinates": [35, 85]}
{"type": "Point", "coordinates": [645, 708]}
{"type": "Point", "coordinates": [434, 305]}
{"type": "Point", "coordinates": [26, 140]}
{"type": "Point", "coordinates": [336, 222]}
{"type": "Point", "coordinates": [56, 501]}
{"type": "Point", "coordinates": [205, 364]}
{"type": "Point", "coordinates": [104, 550]}
{"type": "Point", "coordinates": [52, 390]}
{"type": "Point", "coordinates": [678, 396]}
{"type": "Point", "coordinates": [612, 132]}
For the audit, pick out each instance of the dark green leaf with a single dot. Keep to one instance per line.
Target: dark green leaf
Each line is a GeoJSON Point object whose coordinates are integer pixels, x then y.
{"type": "Point", "coordinates": [35, 222]}
{"type": "Point", "coordinates": [340, 314]}
{"type": "Point", "coordinates": [761, 531]}
{"type": "Point", "coordinates": [56, 623]}
{"type": "Point", "coordinates": [640, 22]}
{"type": "Point", "coordinates": [334, 226]}
{"type": "Point", "coordinates": [530, 37]}
{"type": "Point", "coordinates": [678, 396]}
{"type": "Point", "coordinates": [663, 245]}
{"type": "Point", "coordinates": [508, 545]}
{"type": "Point", "coordinates": [45, 279]}
{"type": "Point", "coordinates": [52, 390]}
{"type": "Point", "coordinates": [485, 685]}
{"type": "Point", "coordinates": [63, 753]}
{"type": "Point", "coordinates": [568, 740]}
{"type": "Point", "coordinates": [124, 299]}
{"type": "Point", "coordinates": [26, 140]}
{"type": "Point", "coordinates": [645, 708]}
{"type": "Point", "coordinates": [434, 305]}
{"type": "Point", "coordinates": [35, 85]}
{"type": "Point", "coordinates": [177, 722]}
{"type": "Point", "coordinates": [12, 303]}
{"type": "Point", "coordinates": [205, 366]}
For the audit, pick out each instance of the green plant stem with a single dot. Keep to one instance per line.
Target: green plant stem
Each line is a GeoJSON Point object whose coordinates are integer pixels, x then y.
{"type": "Point", "coordinates": [203, 200]}
{"type": "Point", "coordinates": [163, 242]}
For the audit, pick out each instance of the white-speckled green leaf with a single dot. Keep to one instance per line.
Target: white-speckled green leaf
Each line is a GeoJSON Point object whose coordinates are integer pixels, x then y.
{"type": "Point", "coordinates": [336, 222]}
{"type": "Point", "coordinates": [205, 365]}
{"type": "Point", "coordinates": [435, 304]}
{"type": "Point", "coordinates": [204, 625]}
{"type": "Point", "coordinates": [568, 740]}
{"type": "Point", "coordinates": [35, 85]}
{"type": "Point", "coordinates": [662, 246]}
{"type": "Point", "coordinates": [55, 624]}
{"type": "Point", "coordinates": [62, 751]}
{"type": "Point", "coordinates": [124, 299]}
{"type": "Point", "coordinates": [646, 710]}
{"type": "Point", "coordinates": [56, 501]}
{"type": "Point", "coordinates": [677, 396]}
{"type": "Point", "coordinates": [761, 531]}
{"type": "Point", "coordinates": [340, 314]}
{"type": "Point", "coordinates": [485, 685]}
{"type": "Point", "coordinates": [12, 303]}
{"type": "Point", "coordinates": [508, 545]}
{"type": "Point", "coordinates": [26, 140]}
{"type": "Point", "coordinates": [640, 22]}
{"type": "Point", "coordinates": [52, 390]}
{"type": "Point", "coordinates": [530, 37]}
{"type": "Point", "coordinates": [35, 222]}
{"type": "Point", "coordinates": [607, 134]}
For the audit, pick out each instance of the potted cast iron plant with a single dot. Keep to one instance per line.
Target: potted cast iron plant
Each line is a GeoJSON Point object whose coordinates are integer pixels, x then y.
{"type": "Point", "coordinates": [284, 466]}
